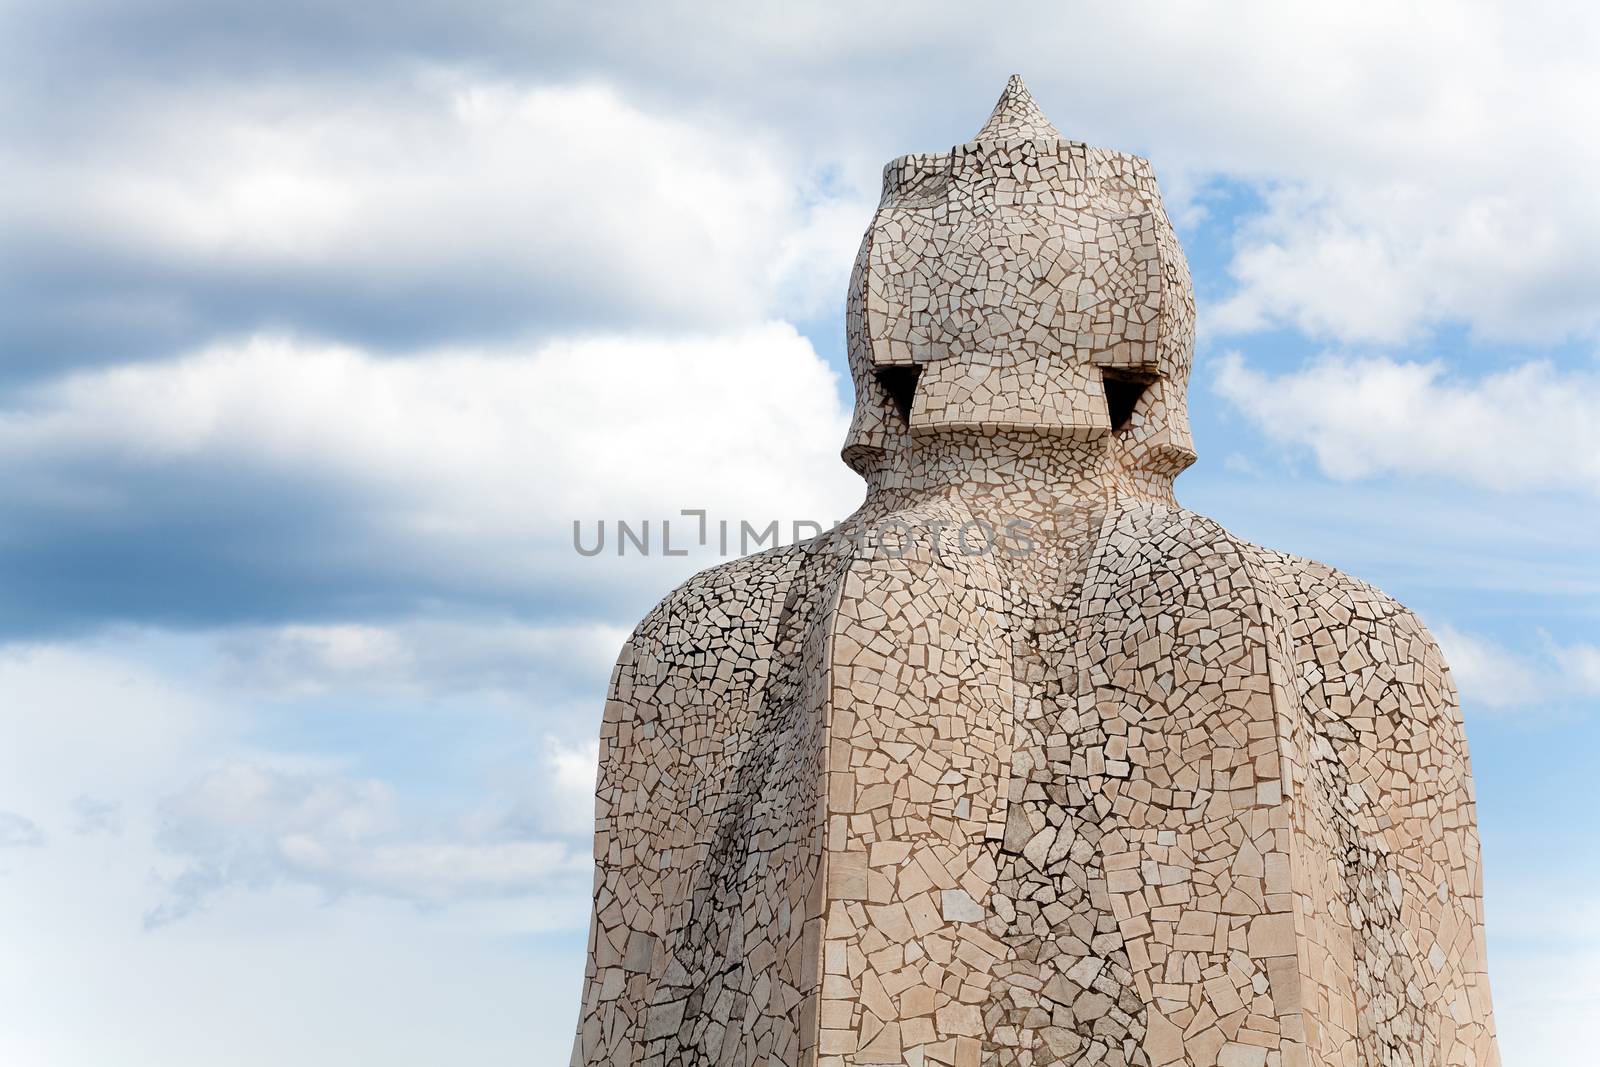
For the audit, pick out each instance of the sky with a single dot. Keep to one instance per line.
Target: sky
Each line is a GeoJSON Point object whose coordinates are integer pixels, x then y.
{"type": "Point", "coordinates": [321, 326]}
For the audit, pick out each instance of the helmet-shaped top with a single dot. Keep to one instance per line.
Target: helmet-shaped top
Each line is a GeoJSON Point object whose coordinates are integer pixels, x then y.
{"type": "Point", "coordinates": [1021, 282]}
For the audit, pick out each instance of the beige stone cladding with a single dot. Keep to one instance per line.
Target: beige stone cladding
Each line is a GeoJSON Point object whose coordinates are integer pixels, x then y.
{"type": "Point", "coordinates": [1027, 764]}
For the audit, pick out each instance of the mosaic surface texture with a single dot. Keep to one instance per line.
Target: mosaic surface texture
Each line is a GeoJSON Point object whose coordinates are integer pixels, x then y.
{"type": "Point", "coordinates": [1026, 764]}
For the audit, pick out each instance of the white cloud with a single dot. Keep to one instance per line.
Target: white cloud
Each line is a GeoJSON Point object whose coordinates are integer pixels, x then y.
{"type": "Point", "coordinates": [1492, 675]}
{"type": "Point", "coordinates": [1417, 162]}
{"type": "Point", "coordinates": [1581, 663]}
{"type": "Point", "coordinates": [462, 467]}
{"type": "Point", "coordinates": [19, 831]}
{"type": "Point", "coordinates": [1383, 257]}
{"type": "Point", "coordinates": [96, 815]}
{"type": "Point", "coordinates": [378, 980]}
{"type": "Point", "coordinates": [91, 722]}
{"type": "Point", "coordinates": [1487, 673]}
{"type": "Point", "coordinates": [425, 950]}
{"type": "Point", "coordinates": [570, 786]}
{"type": "Point", "coordinates": [95, 720]}
{"type": "Point", "coordinates": [1531, 427]}
{"type": "Point", "coordinates": [248, 826]}
{"type": "Point", "coordinates": [1417, 169]}
{"type": "Point", "coordinates": [568, 199]}
{"type": "Point", "coordinates": [423, 656]}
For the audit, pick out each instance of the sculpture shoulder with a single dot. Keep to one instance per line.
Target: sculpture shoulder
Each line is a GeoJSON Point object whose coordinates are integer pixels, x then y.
{"type": "Point", "coordinates": [1339, 599]}
{"type": "Point", "coordinates": [1345, 622]}
{"type": "Point", "coordinates": [1344, 627]}
{"type": "Point", "coordinates": [712, 627]}
{"type": "Point", "coordinates": [1309, 586]}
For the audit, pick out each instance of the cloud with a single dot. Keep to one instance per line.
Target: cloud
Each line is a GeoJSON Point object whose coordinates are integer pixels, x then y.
{"type": "Point", "coordinates": [423, 656]}
{"type": "Point", "coordinates": [101, 719]}
{"type": "Point", "coordinates": [1486, 673]}
{"type": "Point", "coordinates": [279, 479]}
{"type": "Point", "coordinates": [466, 170]}
{"type": "Point", "coordinates": [96, 815]}
{"type": "Point", "coordinates": [1528, 428]}
{"type": "Point", "coordinates": [457, 209]}
{"type": "Point", "coordinates": [374, 976]}
{"type": "Point", "coordinates": [1429, 217]}
{"type": "Point", "coordinates": [493, 812]}
{"type": "Point", "coordinates": [552, 792]}
{"type": "Point", "coordinates": [1492, 675]}
{"type": "Point", "coordinates": [1581, 663]}
{"type": "Point", "coordinates": [570, 789]}
{"type": "Point", "coordinates": [19, 831]}
{"type": "Point", "coordinates": [253, 827]}
{"type": "Point", "coordinates": [1386, 264]}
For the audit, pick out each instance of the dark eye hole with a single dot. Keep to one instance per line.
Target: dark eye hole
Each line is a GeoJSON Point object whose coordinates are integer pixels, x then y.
{"type": "Point", "coordinates": [1123, 390]}
{"type": "Point", "coordinates": [901, 385]}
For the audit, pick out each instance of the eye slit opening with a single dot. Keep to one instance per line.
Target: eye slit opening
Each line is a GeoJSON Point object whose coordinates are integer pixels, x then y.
{"type": "Point", "coordinates": [1123, 390]}
{"type": "Point", "coordinates": [901, 385]}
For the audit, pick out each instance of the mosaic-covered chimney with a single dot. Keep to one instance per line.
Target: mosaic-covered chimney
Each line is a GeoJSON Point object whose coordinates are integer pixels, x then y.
{"type": "Point", "coordinates": [1026, 764]}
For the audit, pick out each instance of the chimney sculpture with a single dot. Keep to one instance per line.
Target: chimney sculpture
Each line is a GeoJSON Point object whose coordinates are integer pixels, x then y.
{"type": "Point", "coordinates": [1027, 764]}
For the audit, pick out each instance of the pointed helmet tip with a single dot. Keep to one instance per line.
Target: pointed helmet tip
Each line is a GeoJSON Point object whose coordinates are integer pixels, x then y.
{"type": "Point", "coordinates": [1016, 115]}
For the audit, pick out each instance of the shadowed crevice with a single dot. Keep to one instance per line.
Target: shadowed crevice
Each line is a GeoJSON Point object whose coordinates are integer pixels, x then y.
{"type": "Point", "coordinates": [901, 385]}
{"type": "Point", "coordinates": [1123, 390]}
